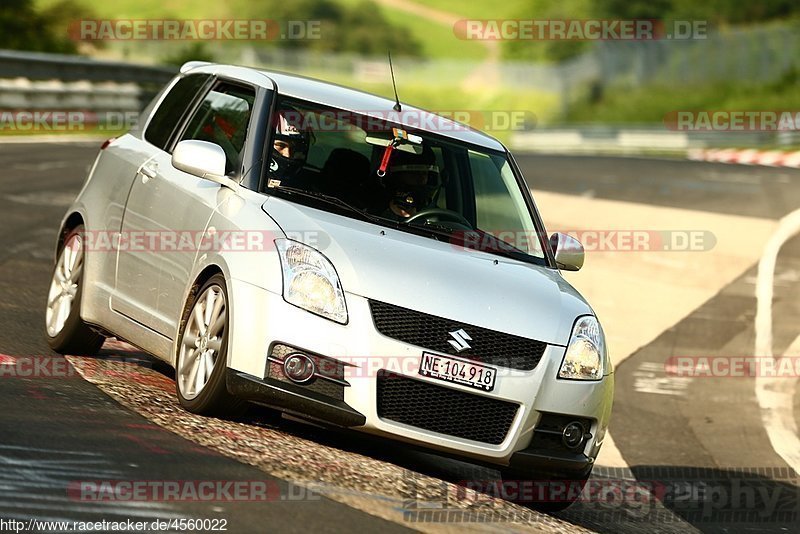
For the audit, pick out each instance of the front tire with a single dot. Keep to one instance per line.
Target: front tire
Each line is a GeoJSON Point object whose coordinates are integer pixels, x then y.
{"type": "Point", "coordinates": [65, 331]}
{"type": "Point", "coordinates": [201, 360]}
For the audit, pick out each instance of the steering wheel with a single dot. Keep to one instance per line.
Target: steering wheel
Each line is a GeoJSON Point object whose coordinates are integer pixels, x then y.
{"type": "Point", "coordinates": [439, 212]}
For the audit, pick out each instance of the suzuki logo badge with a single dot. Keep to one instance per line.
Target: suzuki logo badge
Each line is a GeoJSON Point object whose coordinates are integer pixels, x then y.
{"type": "Point", "coordinates": [459, 341]}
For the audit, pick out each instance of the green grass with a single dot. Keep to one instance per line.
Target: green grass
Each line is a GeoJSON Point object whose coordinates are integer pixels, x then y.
{"type": "Point", "coordinates": [437, 40]}
{"type": "Point", "coordinates": [482, 9]}
{"type": "Point", "coordinates": [90, 132]}
{"type": "Point", "coordinates": [141, 9]}
{"type": "Point", "coordinates": [650, 104]}
{"type": "Point", "coordinates": [203, 8]}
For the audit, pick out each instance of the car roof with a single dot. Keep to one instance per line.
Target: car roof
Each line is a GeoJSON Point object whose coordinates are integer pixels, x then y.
{"type": "Point", "coordinates": [349, 99]}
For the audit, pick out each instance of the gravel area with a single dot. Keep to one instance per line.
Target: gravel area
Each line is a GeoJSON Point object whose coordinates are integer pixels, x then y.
{"type": "Point", "coordinates": [290, 451]}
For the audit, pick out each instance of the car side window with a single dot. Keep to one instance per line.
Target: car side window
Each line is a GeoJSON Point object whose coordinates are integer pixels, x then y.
{"type": "Point", "coordinates": [498, 211]}
{"type": "Point", "coordinates": [222, 118]}
{"type": "Point", "coordinates": [172, 108]}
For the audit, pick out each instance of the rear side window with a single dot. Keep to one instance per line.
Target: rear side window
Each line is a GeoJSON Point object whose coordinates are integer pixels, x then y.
{"type": "Point", "coordinates": [172, 109]}
{"type": "Point", "coordinates": [222, 118]}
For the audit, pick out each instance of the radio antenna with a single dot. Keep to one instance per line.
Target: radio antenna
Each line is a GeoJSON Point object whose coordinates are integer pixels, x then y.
{"type": "Point", "coordinates": [396, 106]}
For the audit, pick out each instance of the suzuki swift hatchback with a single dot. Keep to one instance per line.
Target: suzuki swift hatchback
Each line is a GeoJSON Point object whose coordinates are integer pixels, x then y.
{"type": "Point", "coordinates": [343, 259]}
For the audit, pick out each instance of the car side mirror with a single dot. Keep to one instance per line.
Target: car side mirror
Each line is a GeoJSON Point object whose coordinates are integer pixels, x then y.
{"type": "Point", "coordinates": [568, 251]}
{"type": "Point", "coordinates": [202, 159]}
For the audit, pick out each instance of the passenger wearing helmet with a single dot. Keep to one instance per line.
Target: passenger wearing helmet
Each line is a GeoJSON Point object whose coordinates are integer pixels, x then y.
{"type": "Point", "coordinates": [290, 142]}
{"type": "Point", "coordinates": [412, 182]}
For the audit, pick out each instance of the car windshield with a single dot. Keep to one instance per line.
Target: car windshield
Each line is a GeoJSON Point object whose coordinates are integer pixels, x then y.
{"type": "Point", "coordinates": [419, 182]}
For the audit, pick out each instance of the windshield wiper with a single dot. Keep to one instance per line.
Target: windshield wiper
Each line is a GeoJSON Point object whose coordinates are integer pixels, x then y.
{"type": "Point", "coordinates": [336, 201]}
{"type": "Point", "coordinates": [436, 232]}
{"type": "Point", "coordinates": [498, 244]}
{"type": "Point", "coordinates": [419, 230]}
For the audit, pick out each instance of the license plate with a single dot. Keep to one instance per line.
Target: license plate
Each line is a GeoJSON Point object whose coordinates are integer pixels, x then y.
{"type": "Point", "coordinates": [458, 371]}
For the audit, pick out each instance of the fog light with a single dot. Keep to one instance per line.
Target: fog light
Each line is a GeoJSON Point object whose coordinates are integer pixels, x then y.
{"type": "Point", "coordinates": [298, 367]}
{"type": "Point", "coordinates": [573, 435]}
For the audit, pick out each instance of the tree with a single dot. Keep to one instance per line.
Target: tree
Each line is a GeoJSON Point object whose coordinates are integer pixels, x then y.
{"type": "Point", "coordinates": [193, 52]}
{"type": "Point", "coordinates": [551, 50]}
{"type": "Point", "coordinates": [24, 28]}
{"type": "Point", "coordinates": [360, 28]}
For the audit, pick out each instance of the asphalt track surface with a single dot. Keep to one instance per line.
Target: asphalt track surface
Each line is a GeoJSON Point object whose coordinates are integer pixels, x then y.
{"type": "Point", "coordinates": [683, 436]}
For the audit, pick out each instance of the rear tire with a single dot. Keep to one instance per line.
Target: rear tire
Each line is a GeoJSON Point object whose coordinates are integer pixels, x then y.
{"type": "Point", "coordinates": [201, 359]}
{"type": "Point", "coordinates": [65, 331]}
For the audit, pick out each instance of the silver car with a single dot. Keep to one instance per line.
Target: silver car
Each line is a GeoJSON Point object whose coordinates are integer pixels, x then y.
{"type": "Point", "coordinates": [345, 259]}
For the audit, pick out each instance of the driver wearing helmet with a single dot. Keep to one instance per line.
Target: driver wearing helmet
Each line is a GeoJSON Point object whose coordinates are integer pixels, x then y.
{"type": "Point", "coordinates": [290, 142]}
{"type": "Point", "coordinates": [412, 182]}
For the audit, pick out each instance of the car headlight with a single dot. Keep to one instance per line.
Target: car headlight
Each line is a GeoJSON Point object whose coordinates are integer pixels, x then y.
{"type": "Point", "coordinates": [586, 357]}
{"type": "Point", "coordinates": [310, 281]}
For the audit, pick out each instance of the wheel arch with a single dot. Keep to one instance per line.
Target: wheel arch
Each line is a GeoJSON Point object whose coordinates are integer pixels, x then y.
{"type": "Point", "coordinates": [203, 276]}
{"type": "Point", "coordinates": [71, 221]}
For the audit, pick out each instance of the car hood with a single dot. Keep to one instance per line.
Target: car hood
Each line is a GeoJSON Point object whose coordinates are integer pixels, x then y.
{"type": "Point", "coordinates": [437, 278]}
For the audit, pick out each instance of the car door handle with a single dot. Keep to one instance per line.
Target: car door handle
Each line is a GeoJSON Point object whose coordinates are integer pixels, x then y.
{"type": "Point", "coordinates": [149, 171]}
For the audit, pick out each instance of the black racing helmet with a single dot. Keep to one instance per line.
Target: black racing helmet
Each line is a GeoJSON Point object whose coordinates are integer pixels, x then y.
{"type": "Point", "coordinates": [291, 130]}
{"type": "Point", "coordinates": [413, 180]}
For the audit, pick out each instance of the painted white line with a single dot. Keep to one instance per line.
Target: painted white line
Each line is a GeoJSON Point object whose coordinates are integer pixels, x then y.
{"type": "Point", "coordinates": [776, 397]}
{"type": "Point", "coordinates": [614, 281]}
{"type": "Point", "coordinates": [66, 139]}
{"type": "Point", "coordinates": [43, 166]}
{"type": "Point", "coordinates": [775, 394]}
{"type": "Point", "coordinates": [44, 198]}
{"type": "Point", "coordinates": [788, 226]}
{"type": "Point", "coordinates": [650, 377]}
{"type": "Point", "coordinates": [54, 451]}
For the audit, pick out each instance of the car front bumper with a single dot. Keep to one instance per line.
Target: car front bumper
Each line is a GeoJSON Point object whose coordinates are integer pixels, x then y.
{"type": "Point", "coordinates": [261, 318]}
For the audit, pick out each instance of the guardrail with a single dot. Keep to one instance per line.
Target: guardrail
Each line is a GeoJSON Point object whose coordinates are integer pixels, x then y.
{"type": "Point", "coordinates": [24, 94]}
{"type": "Point", "coordinates": [40, 66]}
{"type": "Point", "coordinates": [638, 139]}
{"type": "Point", "coordinates": [35, 81]}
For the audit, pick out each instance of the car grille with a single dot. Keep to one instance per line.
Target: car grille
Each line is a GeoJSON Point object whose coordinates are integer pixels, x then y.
{"type": "Point", "coordinates": [432, 332]}
{"type": "Point", "coordinates": [443, 410]}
